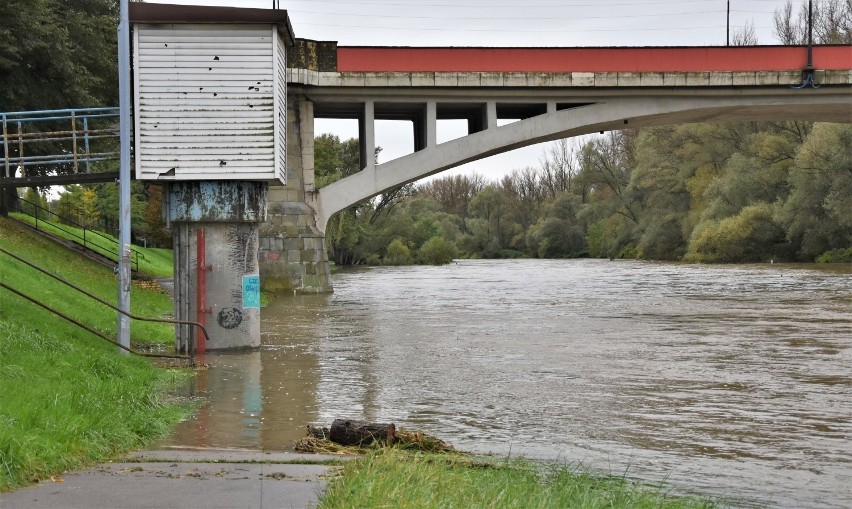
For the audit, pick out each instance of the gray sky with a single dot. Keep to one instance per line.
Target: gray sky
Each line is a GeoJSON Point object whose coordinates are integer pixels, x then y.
{"type": "Point", "coordinates": [534, 23]}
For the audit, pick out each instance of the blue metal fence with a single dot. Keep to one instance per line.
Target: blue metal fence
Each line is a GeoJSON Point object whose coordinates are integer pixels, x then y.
{"type": "Point", "coordinates": [70, 137]}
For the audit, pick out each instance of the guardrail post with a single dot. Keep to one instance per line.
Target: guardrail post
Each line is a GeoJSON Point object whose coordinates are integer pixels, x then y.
{"type": "Point", "coordinates": [74, 140]}
{"type": "Point", "coordinates": [86, 143]}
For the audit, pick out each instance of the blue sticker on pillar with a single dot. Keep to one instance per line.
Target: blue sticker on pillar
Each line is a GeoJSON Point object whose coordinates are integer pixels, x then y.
{"type": "Point", "coordinates": [251, 291]}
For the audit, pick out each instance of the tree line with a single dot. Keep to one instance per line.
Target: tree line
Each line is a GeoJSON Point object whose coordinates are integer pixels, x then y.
{"type": "Point", "coordinates": [732, 192]}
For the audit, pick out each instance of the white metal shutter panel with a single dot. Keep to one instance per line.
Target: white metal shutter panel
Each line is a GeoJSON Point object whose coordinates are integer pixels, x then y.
{"type": "Point", "coordinates": [205, 101]}
{"type": "Point", "coordinates": [281, 109]}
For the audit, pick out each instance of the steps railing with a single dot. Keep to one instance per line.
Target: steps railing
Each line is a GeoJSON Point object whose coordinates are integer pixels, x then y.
{"type": "Point", "coordinates": [191, 352]}
{"type": "Point", "coordinates": [88, 239]}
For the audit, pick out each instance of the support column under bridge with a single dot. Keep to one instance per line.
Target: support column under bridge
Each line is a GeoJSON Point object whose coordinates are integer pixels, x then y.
{"type": "Point", "coordinates": [292, 256]}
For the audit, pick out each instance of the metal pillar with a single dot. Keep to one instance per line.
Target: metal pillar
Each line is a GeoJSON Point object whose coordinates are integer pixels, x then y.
{"type": "Point", "coordinates": [124, 177]}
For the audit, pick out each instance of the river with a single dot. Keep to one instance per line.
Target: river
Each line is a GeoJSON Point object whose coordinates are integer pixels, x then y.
{"type": "Point", "coordinates": [729, 381]}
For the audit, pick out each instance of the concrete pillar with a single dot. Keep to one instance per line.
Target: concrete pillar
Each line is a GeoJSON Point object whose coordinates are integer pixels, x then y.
{"type": "Point", "coordinates": [367, 136]}
{"type": "Point", "coordinates": [223, 292]}
{"type": "Point", "coordinates": [431, 123]}
{"type": "Point", "coordinates": [292, 253]}
{"type": "Point", "coordinates": [491, 115]}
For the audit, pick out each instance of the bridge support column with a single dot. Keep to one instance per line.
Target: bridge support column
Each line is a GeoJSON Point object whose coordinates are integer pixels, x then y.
{"type": "Point", "coordinates": [215, 225]}
{"type": "Point", "coordinates": [292, 248]}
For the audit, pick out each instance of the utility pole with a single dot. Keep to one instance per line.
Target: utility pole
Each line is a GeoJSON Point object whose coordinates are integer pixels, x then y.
{"type": "Point", "coordinates": [124, 177]}
{"type": "Point", "coordinates": [728, 26]}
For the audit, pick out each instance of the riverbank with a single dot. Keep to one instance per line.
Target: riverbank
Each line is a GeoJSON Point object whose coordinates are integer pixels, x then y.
{"type": "Point", "coordinates": [396, 478]}
{"type": "Point", "coordinates": [68, 399]}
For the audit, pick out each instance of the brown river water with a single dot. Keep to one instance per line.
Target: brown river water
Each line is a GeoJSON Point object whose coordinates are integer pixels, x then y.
{"type": "Point", "coordinates": [728, 381]}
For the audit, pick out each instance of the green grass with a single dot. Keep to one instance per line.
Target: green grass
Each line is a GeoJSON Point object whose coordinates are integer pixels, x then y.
{"type": "Point", "coordinates": [90, 276]}
{"type": "Point", "coordinates": [391, 478]}
{"type": "Point", "coordinates": [152, 261]}
{"type": "Point", "coordinates": [67, 398]}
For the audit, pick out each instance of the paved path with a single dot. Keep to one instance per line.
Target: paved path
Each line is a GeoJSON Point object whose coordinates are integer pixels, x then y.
{"type": "Point", "coordinates": [186, 479]}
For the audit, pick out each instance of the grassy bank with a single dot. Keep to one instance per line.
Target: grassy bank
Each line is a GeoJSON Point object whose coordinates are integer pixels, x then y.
{"type": "Point", "coordinates": [152, 261]}
{"type": "Point", "coordinates": [92, 277]}
{"type": "Point", "coordinates": [68, 399]}
{"type": "Point", "coordinates": [394, 478]}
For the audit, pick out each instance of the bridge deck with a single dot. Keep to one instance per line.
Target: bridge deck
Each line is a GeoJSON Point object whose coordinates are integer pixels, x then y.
{"type": "Point", "coordinates": [561, 60]}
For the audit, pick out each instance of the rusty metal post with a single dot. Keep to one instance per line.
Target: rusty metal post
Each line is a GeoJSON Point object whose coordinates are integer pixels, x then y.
{"type": "Point", "coordinates": [201, 288]}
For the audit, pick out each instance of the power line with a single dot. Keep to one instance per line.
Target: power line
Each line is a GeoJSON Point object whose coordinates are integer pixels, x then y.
{"type": "Point", "coordinates": [562, 30]}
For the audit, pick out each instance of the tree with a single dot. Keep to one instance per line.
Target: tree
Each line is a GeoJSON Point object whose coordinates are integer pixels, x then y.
{"type": "Point", "coordinates": [817, 212]}
{"type": "Point", "coordinates": [558, 233]}
{"type": "Point", "coordinates": [606, 165]}
{"type": "Point", "coordinates": [488, 225]}
{"type": "Point", "coordinates": [746, 36]}
{"type": "Point", "coordinates": [57, 54]}
{"type": "Point", "coordinates": [559, 165]}
{"type": "Point", "coordinates": [398, 253]}
{"type": "Point", "coordinates": [33, 203]}
{"type": "Point", "coordinates": [832, 23]}
{"type": "Point", "coordinates": [753, 235]}
{"type": "Point", "coordinates": [437, 251]}
{"type": "Point", "coordinates": [453, 193]}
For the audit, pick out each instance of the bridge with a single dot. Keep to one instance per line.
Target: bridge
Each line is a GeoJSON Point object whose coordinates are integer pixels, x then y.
{"type": "Point", "coordinates": [554, 93]}
{"type": "Point", "coordinates": [549, 93]}
{"type": "Point", "coordinates": [226, 99]}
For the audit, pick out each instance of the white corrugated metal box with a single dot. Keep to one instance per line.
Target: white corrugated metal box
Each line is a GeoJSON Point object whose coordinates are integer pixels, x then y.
{"type": "Point", "coordinates": [210, 102]}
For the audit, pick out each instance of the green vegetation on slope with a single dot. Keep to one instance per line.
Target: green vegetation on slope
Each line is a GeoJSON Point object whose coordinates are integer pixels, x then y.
{"type": "Point", "coordinates": [92, 277]}
{"type": "Point", "coordinates": [395, 478]}
{"type": "Point", "coordinates": [152, 261]}
{"type": "Point", "coordinates": [68, 398]}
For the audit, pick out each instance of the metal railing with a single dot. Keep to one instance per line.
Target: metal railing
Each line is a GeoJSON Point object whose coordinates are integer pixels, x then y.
{"type": "Point", "coordinates": [105, 303]}
{"type": "Point", "coordinates": [88, 238]}
{"type": "Point", "coordinates": [71, 137]}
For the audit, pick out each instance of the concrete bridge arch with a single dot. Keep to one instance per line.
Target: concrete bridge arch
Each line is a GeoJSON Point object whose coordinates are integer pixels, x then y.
{"type": "Point", "coordinates": [611, 114]}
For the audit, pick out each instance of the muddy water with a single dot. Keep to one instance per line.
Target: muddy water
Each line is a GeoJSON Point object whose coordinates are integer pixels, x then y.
{"type": "Point", "coordinates": [728, 381]}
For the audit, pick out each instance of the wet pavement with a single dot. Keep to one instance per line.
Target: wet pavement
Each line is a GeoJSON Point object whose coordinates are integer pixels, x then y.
{"type": "Point", "coordinates": [186, 479]}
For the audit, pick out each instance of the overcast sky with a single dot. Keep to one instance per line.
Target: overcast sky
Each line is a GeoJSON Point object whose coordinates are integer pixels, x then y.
{"type": "Point", "coordinates": [533, 23]}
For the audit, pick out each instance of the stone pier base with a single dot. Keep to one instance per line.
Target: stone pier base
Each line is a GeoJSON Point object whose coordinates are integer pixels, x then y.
{"type": "Point", "coordinates": [292, 255]}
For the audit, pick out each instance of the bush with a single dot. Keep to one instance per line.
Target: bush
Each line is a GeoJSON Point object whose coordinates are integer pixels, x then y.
{"type": "Point", "coordinates": [398, 253]}
{"type": "Point", "coordinates": [437, 251]}
{"type": "Point", "coordinates": [750, 236]}
{"type": "Point", "coordinates": [836, 256]}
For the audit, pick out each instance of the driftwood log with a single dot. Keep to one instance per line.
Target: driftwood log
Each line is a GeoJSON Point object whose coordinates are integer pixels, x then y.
{"type": "Point", "coordinates": [351, 432]}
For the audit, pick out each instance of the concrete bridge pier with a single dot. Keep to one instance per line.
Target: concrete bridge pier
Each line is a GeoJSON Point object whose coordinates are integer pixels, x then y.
{"type": "Point", "coordinates": [292, 253]}
{"type": "Point", "coordinates": [215, 232]}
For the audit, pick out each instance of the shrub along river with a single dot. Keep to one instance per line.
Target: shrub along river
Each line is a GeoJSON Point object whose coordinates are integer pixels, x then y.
{"type": "Point", "coordinates": [731, 381]}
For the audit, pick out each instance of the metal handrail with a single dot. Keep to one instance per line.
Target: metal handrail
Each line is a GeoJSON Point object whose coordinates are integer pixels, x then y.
{"type": "Point", "coordinates": [105, 303]}
{"type": "Point", "coordinates": [77, 139]}
{"type": "Point", "coordinates": [37, 207]}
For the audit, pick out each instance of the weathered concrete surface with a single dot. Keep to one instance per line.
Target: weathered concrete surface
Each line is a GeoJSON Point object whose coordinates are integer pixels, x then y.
{"type": "Point", "coordinates": [227, 213]}
{"type": "Point", "coordinates": [231, 252]}
{"type": "Point", "coordinates": [186, 479]}
{"type": "Point", "coordinates": [292, 255]}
